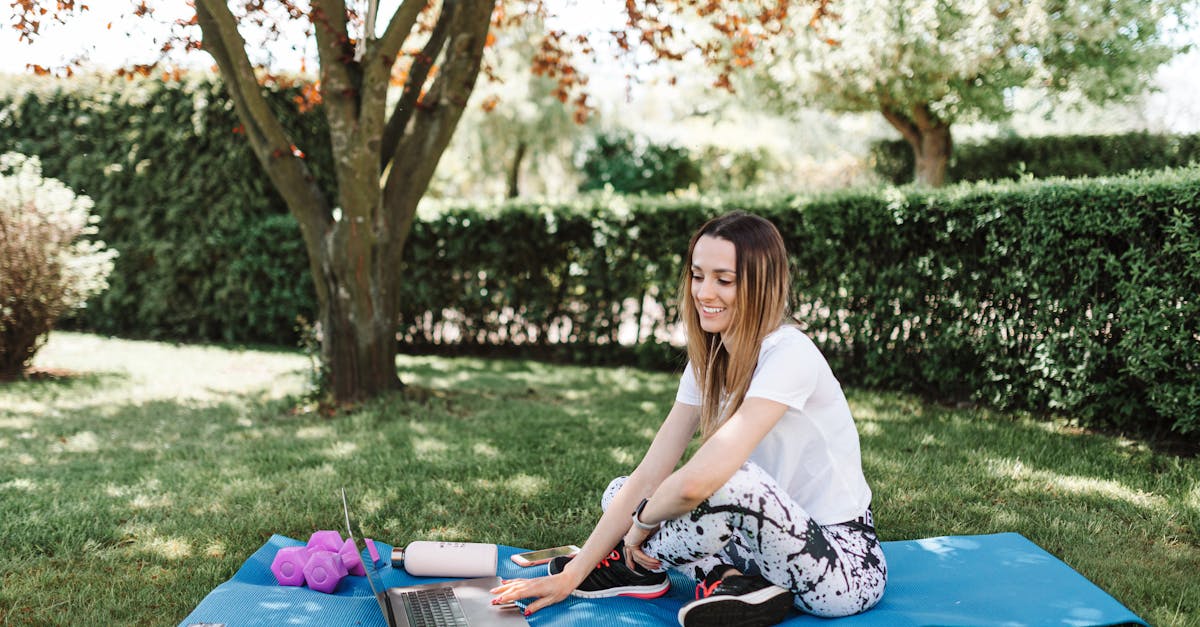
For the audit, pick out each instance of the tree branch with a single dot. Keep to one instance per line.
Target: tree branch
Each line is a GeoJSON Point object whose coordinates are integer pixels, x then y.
{"type": "Point", "coordinates": [417, 153]}
{"type": "Point", "coordinates": [418, 73]}
{"type": "Point", "coordinates": [376, 64]}
{"type": "Point", "coordinates": [268, 139]}
{"type": "Point", "coordinates": [339, 76]}
{"type": "Point", "coordinates": [901, 122]}
{"type": "Point", "coordinates": [397, 30]}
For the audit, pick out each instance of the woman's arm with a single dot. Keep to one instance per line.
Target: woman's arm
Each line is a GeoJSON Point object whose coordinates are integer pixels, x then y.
{"type": "Point", "coordinates": [664, 453]}
{"type": "Point", "coordinates": [715, 462]}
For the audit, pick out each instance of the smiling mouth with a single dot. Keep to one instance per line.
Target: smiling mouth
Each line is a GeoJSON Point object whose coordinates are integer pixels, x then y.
{"type": "Point", "coordinates": [712, 310]}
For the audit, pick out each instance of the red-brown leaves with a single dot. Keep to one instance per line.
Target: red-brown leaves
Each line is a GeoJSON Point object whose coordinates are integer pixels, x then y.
{"type": "Point", "coordinates": [309, 96]}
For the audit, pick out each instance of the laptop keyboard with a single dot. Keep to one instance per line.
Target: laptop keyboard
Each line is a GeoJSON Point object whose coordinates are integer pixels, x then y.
{"type": "Point", "coordinates": [437, 607]}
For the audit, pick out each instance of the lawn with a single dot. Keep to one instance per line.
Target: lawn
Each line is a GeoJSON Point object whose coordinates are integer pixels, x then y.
{"type": "Point", "coordinates": [136, 476]}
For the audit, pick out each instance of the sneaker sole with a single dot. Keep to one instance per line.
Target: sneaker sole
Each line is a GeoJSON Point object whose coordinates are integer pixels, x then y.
{"type": "Point", "coordinates": [636, 592]}
{"type": "Point", "coordinates": [722, 610]}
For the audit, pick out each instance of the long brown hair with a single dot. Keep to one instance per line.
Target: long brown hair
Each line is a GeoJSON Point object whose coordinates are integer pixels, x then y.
{"type": "Point", "coordinates": [761, 306]}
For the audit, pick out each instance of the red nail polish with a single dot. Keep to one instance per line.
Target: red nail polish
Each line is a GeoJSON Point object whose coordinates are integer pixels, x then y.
{"type": "Point", "coordinates": [527, 612]}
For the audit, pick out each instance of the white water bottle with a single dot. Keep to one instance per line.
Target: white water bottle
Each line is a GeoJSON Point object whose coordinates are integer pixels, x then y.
{"type": "Point", "coordinates": [426, 558]}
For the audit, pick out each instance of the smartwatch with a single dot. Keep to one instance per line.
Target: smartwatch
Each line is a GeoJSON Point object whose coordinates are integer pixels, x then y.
{"type": "Point", "coordinates": [637, 517]}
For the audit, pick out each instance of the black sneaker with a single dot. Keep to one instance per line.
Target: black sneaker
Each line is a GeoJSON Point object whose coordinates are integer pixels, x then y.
{"type": "Point", "coordinates": [612, 578]}
{"type": "Point", "coordinates": [747, 601]}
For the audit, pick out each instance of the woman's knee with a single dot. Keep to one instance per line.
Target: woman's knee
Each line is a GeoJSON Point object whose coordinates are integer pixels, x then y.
{"type": "Point", "coordinates": [747, 483]}
{"type": "Point", "coordinates": [611, 492]}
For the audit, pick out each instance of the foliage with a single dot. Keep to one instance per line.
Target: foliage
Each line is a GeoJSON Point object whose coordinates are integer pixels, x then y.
{"type": "Point", "coordinates": [632, 164]}
{"type": "Point", "coordinates": [1069, 156]}
{"type": "Point", "coordinates": [48, 262]}
{"type": "Point", "coordinates": [995, 294]}
{"type": "Point", "coordinates": [726, 170]}
{"type": "Point", "coordinates": [150, 476]}
{"type": "Point", "coordinates": [385, 149]}
{"type": "Point", "coordinates": [517, 135]}
{"type": "Point", "coordinates": [208, 250]}
{"type": "Point", "coordinates": [927, 64]}
{"type": "Point", "coordinates": [1056, 296]}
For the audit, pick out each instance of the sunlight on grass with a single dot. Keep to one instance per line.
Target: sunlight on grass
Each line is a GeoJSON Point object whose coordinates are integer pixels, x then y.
{"type": "Point", "coordinates": [16, 423]}
{"type": "Point", "coordinates": [622, 456]}
{"type": "Point", "coordinates": [156, 470]}
{"type": "Point", "coordinates": [483, 449]}
{"type": "Point", "coordinates": [525, 486]}
{"type": "Point", "coordinates": [340, 450]}
{"type": "Point", "coordinates": [1192, 499]}
{"type": "Point", "coordinates": [314, 433]}
{"type": "Point", "coordinates": [215, 549]}
{"type": "Point", "coordinates": [158, 371]}
{"type": "Point", "coordinates": [148, 501]}
{"type": "Point", "coordinates": [82, 442]}
{"type": "Point", "coordinates": [1043, 480]}
{"type": "Point", "coordinates": [429, 449]}
{"type": "Point", "coordinates": [21, 483]}
{"type": "Point", "coordinates": [170, 548]}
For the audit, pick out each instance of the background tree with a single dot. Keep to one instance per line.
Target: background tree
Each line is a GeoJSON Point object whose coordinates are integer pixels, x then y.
{"type": "Point", "coordinates": [385, 150]}
{"type": "Point", "coordinates": [927, 64]}
{"type": "Point", "coordinates": [519, 132]}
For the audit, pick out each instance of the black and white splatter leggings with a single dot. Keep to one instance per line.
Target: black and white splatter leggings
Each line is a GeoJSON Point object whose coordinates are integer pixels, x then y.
{"type": "Point", "coordinates": [755, 526]}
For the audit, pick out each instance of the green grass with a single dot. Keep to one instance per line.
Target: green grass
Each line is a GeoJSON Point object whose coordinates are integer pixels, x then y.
{"type": "Point", "coordinates": [132, 487]}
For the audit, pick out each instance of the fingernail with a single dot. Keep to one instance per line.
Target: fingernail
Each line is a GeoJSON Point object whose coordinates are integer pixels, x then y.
{"type": "Point", "coordinates": [527, 612]}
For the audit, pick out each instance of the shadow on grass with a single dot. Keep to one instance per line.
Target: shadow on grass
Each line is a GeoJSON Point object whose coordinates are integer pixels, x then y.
{"type": "Point", "coordinates": [60, 380]}
{"type": "Point", "coordinates": [516, 453]}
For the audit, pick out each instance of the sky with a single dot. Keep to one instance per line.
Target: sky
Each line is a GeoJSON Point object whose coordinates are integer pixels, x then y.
{"type": "Point", "coordinates": [110, 38]}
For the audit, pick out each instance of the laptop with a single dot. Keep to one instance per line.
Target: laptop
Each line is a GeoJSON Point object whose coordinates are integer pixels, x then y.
{"type": "Point", "coordinates": [460, 603]}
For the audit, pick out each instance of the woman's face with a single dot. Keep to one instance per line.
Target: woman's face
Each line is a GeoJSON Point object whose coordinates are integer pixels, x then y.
{"type": "Point", "coordinates": [714, 282]}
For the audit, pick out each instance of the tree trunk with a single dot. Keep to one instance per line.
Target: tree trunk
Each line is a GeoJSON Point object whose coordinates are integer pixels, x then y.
{"type": "Point", "coordinates": [360, 356]}
{"type": "Point", "coordinates": [383, 163]}
{"type": "Point", "coordinates": [358, 315]}
{"type": "Point", "coordinates": [932, 156]}
{"type": "Point", "coordinates": [514, 171]}
{"type": "Point", "coordinates": [930, 140]}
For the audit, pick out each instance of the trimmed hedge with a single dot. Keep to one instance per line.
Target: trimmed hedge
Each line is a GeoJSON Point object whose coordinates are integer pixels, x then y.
{"type": "Point", "coordinates": [207, 248]}
{"type": "Point", "coordinates": [1070, 156]}
{"type": "Point", "coordinates": [1077, 297]}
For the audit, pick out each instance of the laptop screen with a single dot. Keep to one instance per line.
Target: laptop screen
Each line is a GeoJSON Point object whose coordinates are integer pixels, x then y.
{"type": "Point", "coordinates": [374, 579]}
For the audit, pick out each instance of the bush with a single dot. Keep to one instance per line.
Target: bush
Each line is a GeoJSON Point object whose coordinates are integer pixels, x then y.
{"type": "Point", "coordinates": [183, 198]}
{"type": "Point", "coordinates": [47, 263]}
{"type": "Point", "coordinates": [1075, 296]}
{"type": "Point", "coordinates": [1070, 156]}
{"type": "Point", "coordinates": [630, 164]}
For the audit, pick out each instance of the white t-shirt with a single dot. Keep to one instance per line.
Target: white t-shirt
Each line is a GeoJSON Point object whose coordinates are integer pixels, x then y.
{"type": "Point", "coordinates": [813, 450]}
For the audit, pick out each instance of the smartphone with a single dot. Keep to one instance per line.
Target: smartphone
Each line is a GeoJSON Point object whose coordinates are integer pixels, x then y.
{"type": "Point", "coordinates": [533, 558]}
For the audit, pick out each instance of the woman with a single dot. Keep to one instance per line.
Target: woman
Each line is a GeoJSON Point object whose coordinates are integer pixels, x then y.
{"type": "Point", "coordinates": [773, 509]}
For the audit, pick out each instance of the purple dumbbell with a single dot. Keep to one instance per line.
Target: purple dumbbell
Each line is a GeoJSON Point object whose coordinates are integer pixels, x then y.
{"type": "Point", "coordinates": [351, 558]}
{"type": "Point", "coordinates": [325, 540]}
{"type": "Point", "coordinates": [288, 565]}
{"type": "Point", "coordinates": [324, 570]}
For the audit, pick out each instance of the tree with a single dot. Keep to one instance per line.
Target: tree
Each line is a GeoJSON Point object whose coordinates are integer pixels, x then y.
{"type": "Point", "coordinates": [385, 152]}
{"type": "Point", "coordinates": [926, 64]}
{"type": "Point", "coordinates": [521, 128]}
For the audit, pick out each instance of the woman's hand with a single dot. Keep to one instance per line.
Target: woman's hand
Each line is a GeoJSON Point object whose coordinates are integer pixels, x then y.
{"type": "Point", "coordinates": [633, 548]}
{"type": "Point", "coordinates": [544, 590]}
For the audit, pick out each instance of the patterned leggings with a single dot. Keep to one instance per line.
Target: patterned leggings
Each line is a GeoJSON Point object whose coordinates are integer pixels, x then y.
{"type": "Point", "coordinates": [753, 525]}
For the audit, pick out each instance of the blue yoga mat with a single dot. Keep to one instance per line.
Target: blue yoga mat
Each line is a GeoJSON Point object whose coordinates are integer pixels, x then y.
{"type": "Point", "coordinates": [1002, 580]}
